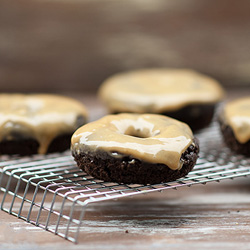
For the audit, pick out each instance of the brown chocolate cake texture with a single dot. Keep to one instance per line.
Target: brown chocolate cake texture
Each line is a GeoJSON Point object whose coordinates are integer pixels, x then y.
{"type": "Point", "coordinates": [182, 94]}
{"type": "Point", "coordinates": [131, 148]}
{"type": "Point", "coordinates": [38, 123]}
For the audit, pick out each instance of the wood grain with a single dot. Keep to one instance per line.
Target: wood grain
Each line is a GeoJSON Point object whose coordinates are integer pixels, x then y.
{"type": "Point", "coordinates": [49, 45]}
{"type": "Point", "coordinates": [216, 215]}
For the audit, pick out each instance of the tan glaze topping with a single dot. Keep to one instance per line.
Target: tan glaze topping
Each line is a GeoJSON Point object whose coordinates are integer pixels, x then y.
{"type": "Point", "coordinates": [42, 117]}
{"type": "Point", "coordinates": [158, 90]}
{"type": "Point", "coordinates": [237, 116]}
{"type": "Point", "coordinates": [150, 138]}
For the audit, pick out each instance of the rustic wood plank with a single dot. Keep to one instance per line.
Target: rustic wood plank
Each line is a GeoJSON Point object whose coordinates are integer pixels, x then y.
{"type": "Point", "coordinates": [74, 45]}
{"type": "Point", "coordinates": [214, 215]}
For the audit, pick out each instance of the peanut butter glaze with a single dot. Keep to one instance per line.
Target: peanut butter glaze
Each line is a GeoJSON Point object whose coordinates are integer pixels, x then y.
{"type": "Point", "coordinates": [237, 116]}
{"type": "Point", "coordinates": [148, 137]}
{"type": "Point", "coordinates": [158, 90]}
{"type": "Point", "coordinates": [39, 116]}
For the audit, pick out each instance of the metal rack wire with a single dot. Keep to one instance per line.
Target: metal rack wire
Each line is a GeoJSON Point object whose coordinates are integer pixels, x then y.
{"type": "Point", "coordinates": [52, 193]}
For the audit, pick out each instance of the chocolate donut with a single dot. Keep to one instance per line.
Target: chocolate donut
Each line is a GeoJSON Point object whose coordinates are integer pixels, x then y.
{"type": "Point", "coordinates": [181, 94]}
{"type": "Point", "coordinates": [132, 148]}
{"type": "Point", "coordinates": [38, 123]}
{"type": "Point", "coordinates": [234, 122]}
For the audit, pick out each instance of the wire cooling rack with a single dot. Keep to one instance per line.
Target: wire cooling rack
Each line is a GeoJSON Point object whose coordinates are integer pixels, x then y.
{"type": "Point", "coordinates": [52, 193]}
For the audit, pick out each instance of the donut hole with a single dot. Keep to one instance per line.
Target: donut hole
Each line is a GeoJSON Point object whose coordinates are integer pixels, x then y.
{"type": "Point", "coordinates": [139, 133]}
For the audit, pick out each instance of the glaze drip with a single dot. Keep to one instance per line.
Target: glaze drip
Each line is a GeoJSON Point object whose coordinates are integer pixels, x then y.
{"type": "Point", "coordinates": [39, 116]}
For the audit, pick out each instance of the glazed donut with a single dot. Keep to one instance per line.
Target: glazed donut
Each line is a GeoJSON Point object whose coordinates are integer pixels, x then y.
{"type": "Point", "coordinates": [235, 125]}
{"type": "Point", "coordinates": [38, 123]}
{"type": "Point", "coordinates": [132, 148]}
{"type": "Point", "coordinates": [179, 93]}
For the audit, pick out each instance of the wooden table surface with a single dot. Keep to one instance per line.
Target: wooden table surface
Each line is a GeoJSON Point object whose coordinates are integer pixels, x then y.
{"type": "Point", "coordinates": [216, 215]}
